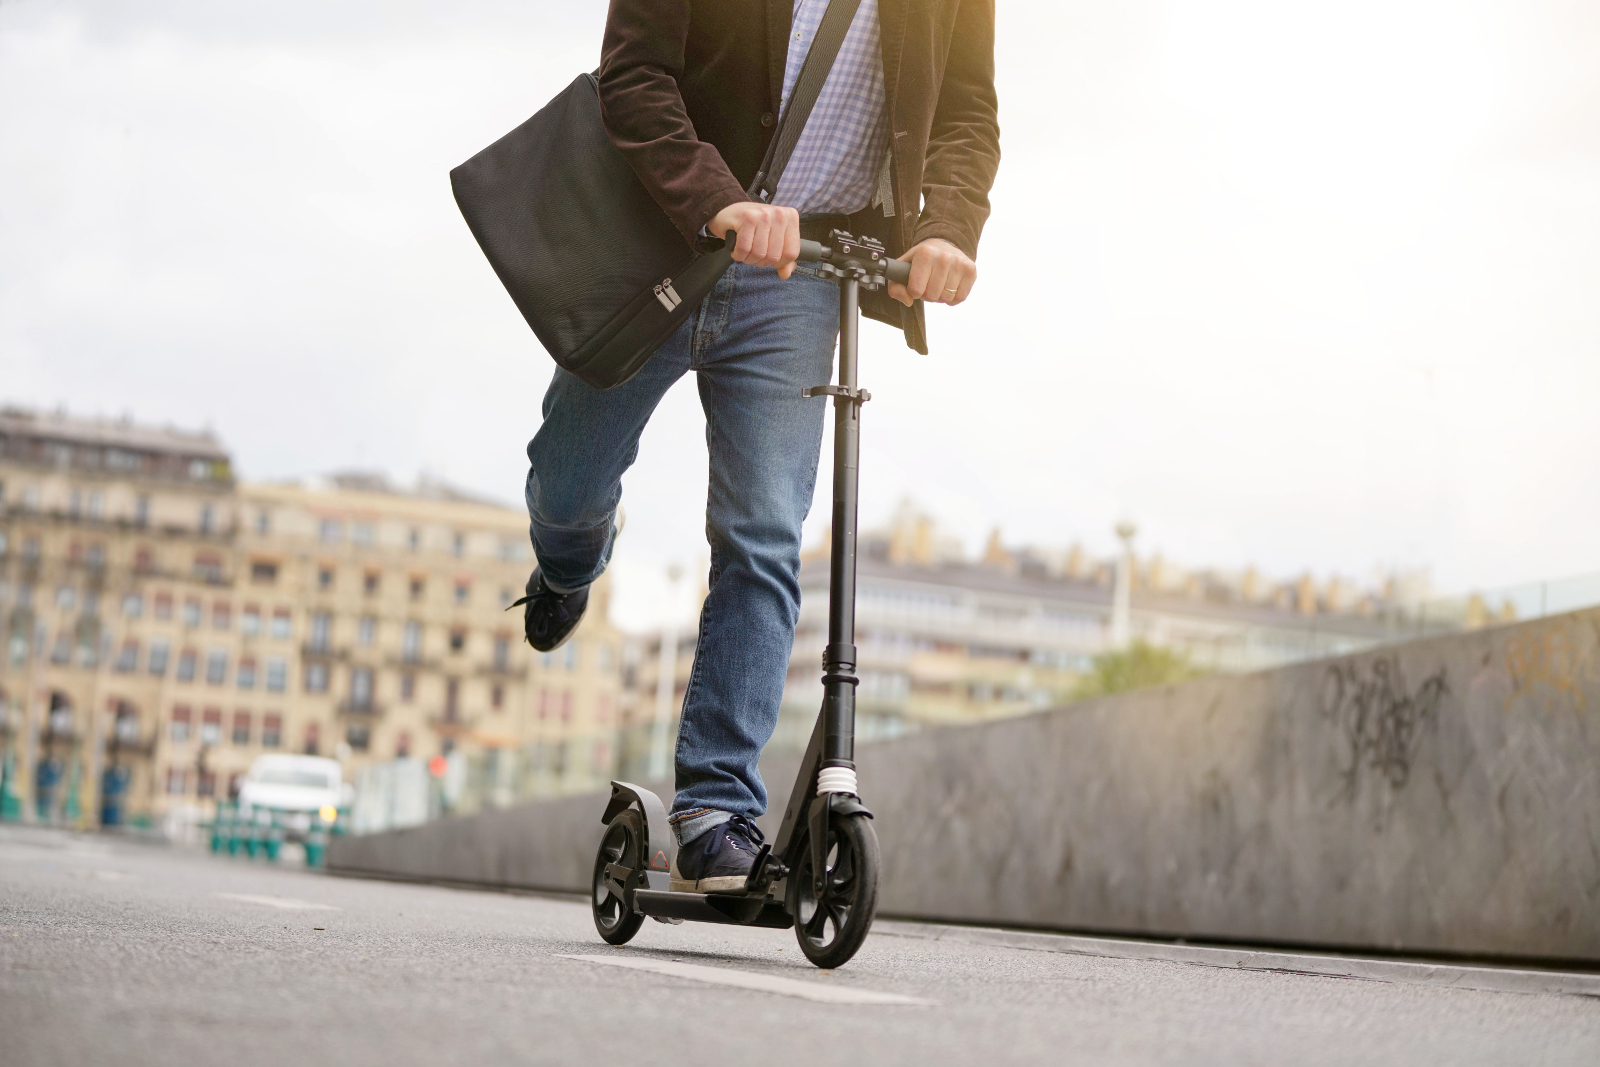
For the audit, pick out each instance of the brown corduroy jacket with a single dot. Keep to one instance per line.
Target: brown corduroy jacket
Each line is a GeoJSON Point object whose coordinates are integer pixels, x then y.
{"type": "Point", "coordinates": [690, 91]}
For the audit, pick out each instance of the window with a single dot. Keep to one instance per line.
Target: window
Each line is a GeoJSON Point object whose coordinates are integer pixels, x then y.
{"type": "Point", "coordinates": [144, 561]}
{"type": "Point", "coordinates": [324, 577]}
{"type": "Point", "coordinates": [128, 658]}
{"type": "Point", "coordinates": [411, 642]}
{"type": "Point", "coordinates": [329, 531]}
{"type": "Point", "coordinates": [502, 652]}
{"type": "Point", "coordinates": [250, 620]}
{"type": "Point", "coordinates": [544, 704]}
{"type": "Point", "coordinates": [199, 469]}
{"type": "Point", "coordinates": [280, 624]}
{"type": "Point", "coordinates": [95, 559]}
{"type": "Point", "coordinates": [132, 605]}
{"type": "Point", "coordinates": [369, 583]}
{"type": "Point", "coordinates": [497, 696]}
{"type": "Point", "coordinates": [263, 522]}
{"type": "Point", "coordinates": [458, 640]}
{"type": "Point", "coordinates": [271, 730]}
{"type": "Point", "coordinates": [602, 658]}
{"type": "Point", "coordinates": [221, 616]}
{"type": "Point", "coordinates": [186, 664]}
{"type": "Point", "coordinates": [75, 503]}
{"type": "Point", "coordinates": [66, 597]}
{"type": "Point", "coordinates": [313, 737]}
{"type": "Point", "coordinates": [59, 722]}
{"type": "Point", "coordinates": [125, 731]}
{"type": "Point", "coordinates": [463, 592]}
{"type": "Point", "coordinates": [241, 728]}
{"type": "Point", "coordinates": [316, 677]}
{"type": "Point", "coordinates": [208, 518]}
{"type": "Point", "coordinates": [179, 730]}
{"type": "Point", "coordinates": [191, 613]}
{"type": "Point", "coordinates": [569, 656]}
{"type": "Point", "coordinates": [361, 688]}
{"type": "Point", "coordinates": [30, 550]}
{"type": "Point", "coordinates": [361, 533]}
{"type": "Point", "coordinates": [177, 783]}
{"type": "Point", "coordinates": [216, 666]}
{"type": "Point", "coordinates": [414, 539]}
{"type": "Point", "coordinates": [277, 674]}
{"type": "Point", "coordinates": [408, 688]}
{"type": "Point", "coordinates": [97, 504]}
{"type": "Point", "coordinates": [141, 510]}
{"type": "Point", "coordinates": [159, 651]}
{"type": "Point", "coordinates": [452, 699]}
{"type": "Point", "coordinates": [358, 735]}
{"type": "Point", "coordinates": [245, 676]}
{"type": "Point", "coordinates": [505, 596]}
{"type": "Point", "coordinates": [321, 624]}
{"type": "Point", "coordinates": [510, 551]}
{"type": "Point", "coordinates": [263, 572]}
{"type": "Point", "coordinates": [163, 608]}
{"type": "Point", "coordinates": [416, 588]}
{"type": "Point", "coordinates": [458, 545]}
{"type": "Point", "coordinates": [211, 726]}
{"type": "Point", "coordinates": [366, 630]}
{"type": "Point", "coordinates": [61, 652]}
{"type": "Point", "coordinates": [402, 746]}
{"type": "Point", "coordinates": [206, 784]}
{"type": "Point", "coordinates": [208, 567]}
{"type": "Point", "coordinates": [566, 706]}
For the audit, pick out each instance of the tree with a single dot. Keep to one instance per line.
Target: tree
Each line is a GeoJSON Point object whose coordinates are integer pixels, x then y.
{"type": "Point", "coordinates": [1138, 666]}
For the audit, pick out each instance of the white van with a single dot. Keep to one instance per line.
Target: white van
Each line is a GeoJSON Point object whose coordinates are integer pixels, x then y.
{"type": "Point", "coordinates": [298, 786]}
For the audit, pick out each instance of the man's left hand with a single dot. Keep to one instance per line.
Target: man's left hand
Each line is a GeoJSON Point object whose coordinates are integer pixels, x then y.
{"type": "Point", "coordinates": [940, 272]}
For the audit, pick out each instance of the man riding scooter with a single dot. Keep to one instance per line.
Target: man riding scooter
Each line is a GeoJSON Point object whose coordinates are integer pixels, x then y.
{"type": "Point", "coordinates": [902, 146]}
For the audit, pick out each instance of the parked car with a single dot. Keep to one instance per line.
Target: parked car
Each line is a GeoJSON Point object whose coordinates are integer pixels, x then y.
{"type": "Point", "coordinates": [295, 788]}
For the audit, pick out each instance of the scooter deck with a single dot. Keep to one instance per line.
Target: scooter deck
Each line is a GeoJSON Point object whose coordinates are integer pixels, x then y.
{"type": "Point", "coordinates": [713, 908]}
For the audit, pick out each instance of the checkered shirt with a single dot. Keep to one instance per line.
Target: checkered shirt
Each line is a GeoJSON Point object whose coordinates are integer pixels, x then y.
{"type": "Point", "coordinates": [838, 161]}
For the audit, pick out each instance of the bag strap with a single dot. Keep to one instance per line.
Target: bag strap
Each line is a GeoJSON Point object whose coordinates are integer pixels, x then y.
{"type": "Point", "coordinates": [807, 87]}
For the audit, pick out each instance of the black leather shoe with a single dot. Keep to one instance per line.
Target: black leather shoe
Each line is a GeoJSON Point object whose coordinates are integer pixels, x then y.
{"type": "Point", "coordinates": [550, 617]}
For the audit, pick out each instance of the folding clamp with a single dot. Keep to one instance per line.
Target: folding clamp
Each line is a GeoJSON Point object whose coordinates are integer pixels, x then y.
{"type": "Point", "coordinates": [860, 396]}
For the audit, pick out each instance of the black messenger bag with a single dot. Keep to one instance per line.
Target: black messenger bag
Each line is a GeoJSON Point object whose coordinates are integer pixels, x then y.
{"type": "Point", "coordinates": [588, 256]}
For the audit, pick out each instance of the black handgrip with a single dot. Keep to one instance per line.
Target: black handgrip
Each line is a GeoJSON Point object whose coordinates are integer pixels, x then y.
{"type": "Point", "coordinates": [897, 270]}
{"type": "Point", "coordinates": [811, 251]}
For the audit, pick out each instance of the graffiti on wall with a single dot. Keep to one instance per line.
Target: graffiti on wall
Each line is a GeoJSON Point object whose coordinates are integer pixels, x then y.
{"type": "Point", "coordinates": [1380, 718]}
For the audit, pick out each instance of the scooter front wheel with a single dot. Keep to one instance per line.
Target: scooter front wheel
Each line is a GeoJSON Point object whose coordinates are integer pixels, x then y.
{"type": "Point", "coordinates": [832, 924]}
{"type": "Point", "coordinates": [620, 858]}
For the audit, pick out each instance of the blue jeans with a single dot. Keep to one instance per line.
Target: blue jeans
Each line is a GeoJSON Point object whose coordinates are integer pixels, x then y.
{"type": "Point", "coordinates": [754, 343]}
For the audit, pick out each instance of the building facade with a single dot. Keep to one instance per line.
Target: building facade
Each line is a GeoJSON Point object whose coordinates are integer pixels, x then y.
{"type": "Point", "coordinates": [165, 625]}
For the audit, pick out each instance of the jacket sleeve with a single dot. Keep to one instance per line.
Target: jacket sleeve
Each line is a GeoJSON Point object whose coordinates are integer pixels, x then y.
{"type": "Point", "coordinates": [964, 141]}
{"type": "Point", "coordinates": [641, 58]}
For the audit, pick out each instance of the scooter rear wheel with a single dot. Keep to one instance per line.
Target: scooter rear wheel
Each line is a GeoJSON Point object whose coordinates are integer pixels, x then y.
{"type": "Point", "coordinates": [621, 850]}
{"type": "Point", "coordinates": [832, 926]}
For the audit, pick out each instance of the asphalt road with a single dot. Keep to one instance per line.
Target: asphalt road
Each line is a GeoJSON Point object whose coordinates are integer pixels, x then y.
{"type": "Point", "coordinates": [113, 952]}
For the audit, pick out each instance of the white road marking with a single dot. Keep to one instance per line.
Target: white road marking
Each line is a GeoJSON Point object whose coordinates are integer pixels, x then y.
{"type": "Point", "coordinates": [765, 983]}
{"type": "Point", "coordinates": [286, 903]}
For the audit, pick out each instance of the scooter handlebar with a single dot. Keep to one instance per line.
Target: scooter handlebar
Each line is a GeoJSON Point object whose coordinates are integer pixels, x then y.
{"type": "Point", "coordinates": [816, 252]}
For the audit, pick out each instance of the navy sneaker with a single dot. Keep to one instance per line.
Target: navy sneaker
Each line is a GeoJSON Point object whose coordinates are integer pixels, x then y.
{"type": "Point", "coordinates": [550, 617]}
{"type": "Point", "coordinates": [719, 860]}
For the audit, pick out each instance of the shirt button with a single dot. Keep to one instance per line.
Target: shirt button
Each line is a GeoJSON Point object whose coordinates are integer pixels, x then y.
{"type": "Point", "coordinates": [766, 119]}
{"type": "Point", "coordinates": [797, 35]}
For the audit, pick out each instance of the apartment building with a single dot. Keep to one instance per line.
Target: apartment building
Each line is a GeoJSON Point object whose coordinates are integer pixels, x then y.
{"type": "Point", "coordinates": [164, 625]}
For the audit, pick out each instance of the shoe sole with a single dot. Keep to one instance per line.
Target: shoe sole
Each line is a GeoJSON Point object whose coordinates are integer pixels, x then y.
{"type": "Point", "coordinates": [730, 883]}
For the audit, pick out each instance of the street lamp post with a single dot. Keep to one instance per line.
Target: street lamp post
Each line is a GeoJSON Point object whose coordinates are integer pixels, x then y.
{"type": "Point", "coordinates": [1122, 592]}
{"type": "Point", "coordinates": [666, 680]}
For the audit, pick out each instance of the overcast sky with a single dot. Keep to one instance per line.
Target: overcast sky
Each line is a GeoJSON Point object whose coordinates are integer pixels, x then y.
{"type": "Point", "coordinates": [1309, 285]}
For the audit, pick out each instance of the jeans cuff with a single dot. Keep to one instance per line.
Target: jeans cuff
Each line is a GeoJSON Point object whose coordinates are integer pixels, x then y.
{"type": "Point", "coordinates": [689, 825]}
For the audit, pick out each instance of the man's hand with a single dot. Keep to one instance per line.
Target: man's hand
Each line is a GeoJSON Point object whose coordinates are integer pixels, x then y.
{"type": "Point", "coordinates": [940, 272]}
{"type": "Point", "coordinates": [768, 236]}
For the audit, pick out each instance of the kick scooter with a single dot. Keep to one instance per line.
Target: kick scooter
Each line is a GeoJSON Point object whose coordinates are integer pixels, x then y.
{"type": "Point", "coordinates": [820, 873]}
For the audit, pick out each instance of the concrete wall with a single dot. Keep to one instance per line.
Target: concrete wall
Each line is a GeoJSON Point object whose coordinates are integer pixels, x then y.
{"type": "Point", "coordinates": [1439, 796]}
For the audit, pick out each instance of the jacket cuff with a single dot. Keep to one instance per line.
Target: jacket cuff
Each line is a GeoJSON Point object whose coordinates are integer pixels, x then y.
{"type": "Point", "coordinates": [956, 235]}
{"type": "Point", "coordinates": [705, 209]}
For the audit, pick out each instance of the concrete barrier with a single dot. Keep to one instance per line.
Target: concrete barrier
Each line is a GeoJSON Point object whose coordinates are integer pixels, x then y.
{"type": "Point", "coordinates": [1441, 796]}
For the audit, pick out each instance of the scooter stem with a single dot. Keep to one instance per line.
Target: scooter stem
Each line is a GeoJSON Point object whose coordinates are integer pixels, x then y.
{"type": "Point", "coordinates": [839, 657]}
